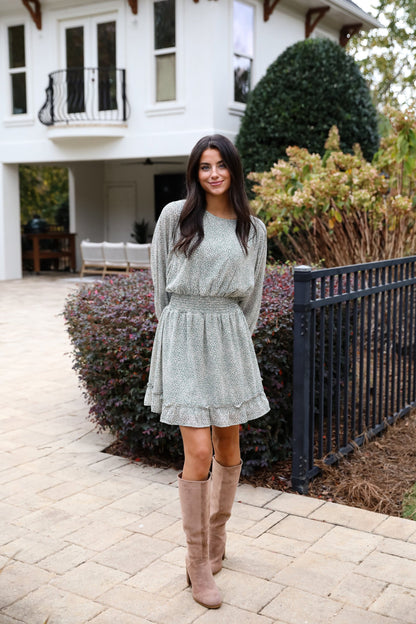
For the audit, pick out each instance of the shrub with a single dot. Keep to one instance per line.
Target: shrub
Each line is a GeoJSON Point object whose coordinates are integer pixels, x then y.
{"type": "Point", "coordinates": [111, 325]}
{"type": "Point", "coordinates": [312, 86]}
{"type": "Point", "coordinates": [341, 209]}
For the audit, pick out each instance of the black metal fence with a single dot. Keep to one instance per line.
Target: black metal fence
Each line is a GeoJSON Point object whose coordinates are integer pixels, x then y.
{"type": "Point", "coordinates": [85, 94]}
{"type": "Point", "coordinates": [354, 358]}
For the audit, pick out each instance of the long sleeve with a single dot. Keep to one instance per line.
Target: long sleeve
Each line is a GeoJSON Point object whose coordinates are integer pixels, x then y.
{"type": "Point", "coordinates": [162, 242]}
{"type": "Point", "coordinates": [251, 304]}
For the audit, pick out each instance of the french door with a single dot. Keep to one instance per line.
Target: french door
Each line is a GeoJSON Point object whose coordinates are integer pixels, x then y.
{"type": "Point", "coordinates": [89, 53]}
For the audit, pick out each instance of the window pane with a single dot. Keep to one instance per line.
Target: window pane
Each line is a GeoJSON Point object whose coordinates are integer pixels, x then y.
{"type": "Point", "coordinates": [107, 89]}
{"type": "Point", "coordinates": [164, 14]}
{"type": "Point", "coordinates": [242, 78]}
{"type": "Point", "coordinates": [74, 39]}
{"type": "Point", "coordinates": [17, 46]}
{"type": "Point", "coordinates": [165, 77]}
{"type": "Point", "coordinates": [106, 44]}
{"type": "Point", "coordinates": [19, 93]}
{"type": "Point", "coordinates": [75, 47]}
{"type": "Point", "coordinates": [243, 29]}
{"type": "Point", "coordinates": [106, 54]}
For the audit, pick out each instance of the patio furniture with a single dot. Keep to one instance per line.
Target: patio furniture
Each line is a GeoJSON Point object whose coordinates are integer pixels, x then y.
{"type": "Point", "coordinates": [92, 255]}
{"type": "Point", "coordinates": [138, 255]}
{"type": "Point", "coordinates": [115, 259]}
{"type": "Point", "coordinates": [52, 246]}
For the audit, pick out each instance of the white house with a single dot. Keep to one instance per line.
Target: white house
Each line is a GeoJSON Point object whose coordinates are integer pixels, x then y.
{"type": "Point", "coordinates": [118, 91]}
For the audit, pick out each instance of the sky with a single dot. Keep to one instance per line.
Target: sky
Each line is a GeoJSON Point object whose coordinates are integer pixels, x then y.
{"type": "Point", "coordinates": [367, 5]}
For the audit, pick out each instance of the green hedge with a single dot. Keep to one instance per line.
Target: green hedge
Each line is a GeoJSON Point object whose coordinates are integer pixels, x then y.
{"type": "Point", "coordinates": [311, 87]}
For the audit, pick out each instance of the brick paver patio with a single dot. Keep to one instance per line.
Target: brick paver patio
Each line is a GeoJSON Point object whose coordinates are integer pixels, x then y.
{"type": "Point", "coordinates": [89, 537]}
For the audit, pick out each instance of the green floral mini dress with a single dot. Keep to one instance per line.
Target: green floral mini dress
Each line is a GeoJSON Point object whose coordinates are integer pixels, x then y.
{"type": "Point", "coordinates": [204, 369]}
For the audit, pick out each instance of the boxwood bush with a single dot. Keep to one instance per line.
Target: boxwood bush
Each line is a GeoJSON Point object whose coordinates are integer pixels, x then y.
{"type": "Point", "coordinates": [111, 325]}
{"type": "Point", "coordinates": [312, 86]}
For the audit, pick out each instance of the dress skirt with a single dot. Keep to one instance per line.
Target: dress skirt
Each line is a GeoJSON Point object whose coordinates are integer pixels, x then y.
{"type": "Point", "coordinates": [204, 369]}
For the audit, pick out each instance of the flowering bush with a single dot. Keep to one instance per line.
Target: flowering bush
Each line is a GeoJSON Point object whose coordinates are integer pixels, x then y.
{"type": "Point", "coordinates": [111, 325]}
{"type": "Point", "coordinates": [340, 209]}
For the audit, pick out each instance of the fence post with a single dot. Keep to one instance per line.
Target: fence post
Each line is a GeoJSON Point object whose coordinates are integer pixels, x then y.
{"type": "Point", "coordinates": [301, 378]}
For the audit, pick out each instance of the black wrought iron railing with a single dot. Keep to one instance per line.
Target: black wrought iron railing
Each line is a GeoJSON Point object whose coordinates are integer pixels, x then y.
{"type": "Point", "coordinates": [354, 358]}
{"type": "Point", "coordinates": [85, 94]}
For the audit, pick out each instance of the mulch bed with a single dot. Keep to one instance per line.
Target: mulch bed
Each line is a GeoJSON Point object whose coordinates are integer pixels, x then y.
{"type": "Point", "coordinates": [375, 477]}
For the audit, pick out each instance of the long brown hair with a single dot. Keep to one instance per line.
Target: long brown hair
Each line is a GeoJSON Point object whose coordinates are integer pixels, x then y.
{"type": "Point", "coordinates": [191, 218]}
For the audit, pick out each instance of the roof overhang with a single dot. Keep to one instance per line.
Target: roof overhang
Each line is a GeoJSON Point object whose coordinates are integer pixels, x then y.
{"type": "Point", "coordinates": [340, 13]}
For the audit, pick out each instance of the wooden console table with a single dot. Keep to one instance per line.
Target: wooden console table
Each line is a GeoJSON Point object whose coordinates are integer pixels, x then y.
{"type": "Point", "coordinates": [64, 249]}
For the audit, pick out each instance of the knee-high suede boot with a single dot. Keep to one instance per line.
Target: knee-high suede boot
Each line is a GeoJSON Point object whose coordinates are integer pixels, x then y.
{"type": "Point", "coordinates": [194, 497]}
{"type": "Point", "coordinates": [224, 484]}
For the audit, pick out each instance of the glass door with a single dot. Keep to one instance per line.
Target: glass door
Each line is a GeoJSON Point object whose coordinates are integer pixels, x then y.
{"type": "Point", "coordinates": [75, 68]}
{"type": "Point", "coordinates": [106, 57]}
{"type": "Point", "coordinates": [89, 84]}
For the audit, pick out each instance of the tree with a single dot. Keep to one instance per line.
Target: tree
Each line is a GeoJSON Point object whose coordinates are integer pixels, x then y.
{"type": "Point", "coordinates": [311, 87]}
{"type": "Point", "coordinates": [44, 191]}
{"type": "Point", "coordinates": [387, 56]}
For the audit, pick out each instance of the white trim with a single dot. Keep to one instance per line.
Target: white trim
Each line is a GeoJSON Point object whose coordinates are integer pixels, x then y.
{"type": "Point", "coordinates": [176, 106]}
{"type": "Point", "coordinates": [18, 120]}
{"type": "Point", "coordinates": [171, 107]}
{"type": "Point", "coordinates": [87, 131]}
{"type": "Point", "coordinates": [237, 108]}
{"type": "Point", "coordinates": [9, 118]}
{"type": "Point", "coordinates": [356, 11]}
{"type": "Point", "coordinates": [254, 7]}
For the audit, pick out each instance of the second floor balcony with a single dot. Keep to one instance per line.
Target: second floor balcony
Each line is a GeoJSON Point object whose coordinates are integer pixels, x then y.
{"type": "Point", "coordinates": [85, 96]}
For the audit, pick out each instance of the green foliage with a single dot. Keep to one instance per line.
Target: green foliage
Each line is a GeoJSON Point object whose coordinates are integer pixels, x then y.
{"type": "Point", "coordinates": [140, 231]}
{"type": "Point", "coordinates": [409, 504]}
{"type": "Point", "coordinates": [44, 191]}
{"type": "Point", "coordinates": [312, 86]}
{"type": "Point", "coordinates": [387, 56]}
{"type": "Point", "coordinates": [340, 209]}
{"type": "Point", "coordinates": [111, 325]}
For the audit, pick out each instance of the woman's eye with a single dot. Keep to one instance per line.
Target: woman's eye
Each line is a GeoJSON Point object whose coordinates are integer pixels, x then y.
{"type": "Point", "coordinates": [222, 166]}
{"type": "Point", "coordinates": [204, 167]}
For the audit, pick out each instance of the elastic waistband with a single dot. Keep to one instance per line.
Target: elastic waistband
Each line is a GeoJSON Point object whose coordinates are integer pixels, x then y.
{"type": "Point", "coordinates": [202, 304]}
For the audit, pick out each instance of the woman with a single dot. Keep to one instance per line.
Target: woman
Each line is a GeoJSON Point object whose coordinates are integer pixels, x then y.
{"type": "Point", "coordinates": [208, 261]}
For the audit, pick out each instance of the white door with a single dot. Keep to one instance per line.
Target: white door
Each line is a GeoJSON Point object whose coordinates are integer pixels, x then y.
{"type": "Point", "coordinates": [121, 212]}
{"type": "Point", "coordinates": [88, 85]}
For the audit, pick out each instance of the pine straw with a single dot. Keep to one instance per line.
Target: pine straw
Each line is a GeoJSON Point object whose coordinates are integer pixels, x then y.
{"type": "Point", "coordinates": [376, 476]}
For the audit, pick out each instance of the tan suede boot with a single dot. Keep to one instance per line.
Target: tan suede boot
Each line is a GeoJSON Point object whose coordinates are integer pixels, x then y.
{"type": "Point", "coordinates": [194, 497]}
{"type": "Point", "coordinates": [224, 484]}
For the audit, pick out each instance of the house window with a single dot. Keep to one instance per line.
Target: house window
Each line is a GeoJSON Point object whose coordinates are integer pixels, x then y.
{"type": "Point", "coordinates": [243, 37]}
{"type": "Point", "coordinates": [165, 49]}
{"type": "Point", "coordinates": [17, 69]}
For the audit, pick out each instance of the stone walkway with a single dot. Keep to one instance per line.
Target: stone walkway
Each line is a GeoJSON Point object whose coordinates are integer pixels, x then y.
{"type": "Point", "coordinates": [88, 537]}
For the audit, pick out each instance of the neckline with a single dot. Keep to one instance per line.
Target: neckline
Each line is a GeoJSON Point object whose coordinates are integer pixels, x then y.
{"type": "Point", "coordinates": [222, 218]}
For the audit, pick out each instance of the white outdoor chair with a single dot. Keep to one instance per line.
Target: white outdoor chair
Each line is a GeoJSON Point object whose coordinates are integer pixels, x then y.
{"type": "Point", "coordinates": [138, 255]}
{"type": "Point", "coordinates": [115, 259]}
{"type": "Point", "coordinates": [92, 255]}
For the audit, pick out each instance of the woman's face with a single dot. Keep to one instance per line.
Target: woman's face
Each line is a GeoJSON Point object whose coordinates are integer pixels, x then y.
{"type": "Point", "coordinates": [213, 174]}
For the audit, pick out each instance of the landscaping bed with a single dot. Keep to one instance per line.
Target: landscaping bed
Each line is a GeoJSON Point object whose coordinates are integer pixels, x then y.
{"type": "Point", "coordinates": [375, 477]}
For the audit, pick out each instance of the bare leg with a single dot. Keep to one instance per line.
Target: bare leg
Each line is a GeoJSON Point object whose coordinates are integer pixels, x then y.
{"type": "Point", "coordinates": [226, 441]}
{"type": "Point", "coordinates": [197, 447]}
